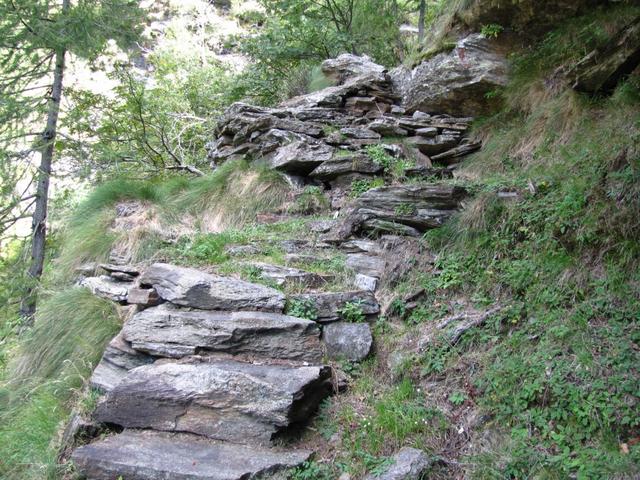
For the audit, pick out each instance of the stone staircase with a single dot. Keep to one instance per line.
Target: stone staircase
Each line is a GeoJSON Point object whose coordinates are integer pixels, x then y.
{"type": "Point", "coordinates": [209, 378]}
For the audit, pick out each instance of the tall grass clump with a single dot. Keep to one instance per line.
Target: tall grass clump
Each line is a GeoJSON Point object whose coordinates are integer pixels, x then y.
{"type": "Point", "coordinates": [47, 367]}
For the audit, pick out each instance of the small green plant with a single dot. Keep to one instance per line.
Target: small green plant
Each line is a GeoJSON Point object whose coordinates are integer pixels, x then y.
{"type": "Point", "coordinates": [353, 312]}
{"type": "Point", "coordinates": [457, 398]}
{"type": "Point", "coordinates": [311, 470]}
{"type": "Point", "coordinates": [302, 308]}
{"type": "Point", "coordinates": [405, 209]}
{"type": "Point", "coordinates": [358, 187]}
{"type": "Point", "coordinates": [380, 157]}
{"type": "Point", "coordinates": [492, 30]}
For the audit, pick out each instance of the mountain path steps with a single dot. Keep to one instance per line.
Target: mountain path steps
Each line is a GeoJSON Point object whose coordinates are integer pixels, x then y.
{"type": "Point", "coordinates": [209, 378]}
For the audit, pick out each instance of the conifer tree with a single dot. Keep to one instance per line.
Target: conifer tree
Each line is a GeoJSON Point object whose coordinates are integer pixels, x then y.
{"type": "Point", "coordinates": [36, 37]}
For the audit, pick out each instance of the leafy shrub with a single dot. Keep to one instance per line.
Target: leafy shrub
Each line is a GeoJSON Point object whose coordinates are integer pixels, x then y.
{"type": "Point", "coordinates": [302, 308]}
{"type": "Point", "coordinates": [353, 312]}
{"type": "Point", "coordinates": [492, 30]}
{"type": "Point", "coordinates": [358, 187]}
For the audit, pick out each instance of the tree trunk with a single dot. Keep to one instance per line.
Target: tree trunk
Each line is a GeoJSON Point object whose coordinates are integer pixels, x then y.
{"type": "Point", "coordinates": [423, 11]}
{"type": "Point", "coordinates": [39, 218]}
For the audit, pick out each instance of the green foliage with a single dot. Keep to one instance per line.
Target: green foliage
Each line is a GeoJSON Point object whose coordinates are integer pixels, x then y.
{"type": "Point", "coordinates": [43, 375]}
{"type": "Point", "coordinates": [358, 187]}
{"type": "Point", "coordinates": [457, 398]}
{"type": "Point", "coordinates": [492, 30]}
{"type": "Point", "coordinates": [392, 166]}
{"type": "Point", "coordinates": [311, 470]}
{"type": "Point", "coordinates": [302, 308]}
{"type": "Point", "coordinates": [353, 312]}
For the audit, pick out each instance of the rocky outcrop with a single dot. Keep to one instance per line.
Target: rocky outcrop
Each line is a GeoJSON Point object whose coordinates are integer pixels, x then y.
{"type": "Point", "coordinates": [403, 209]}
{"type": "Point", "coordinates": [107, 288]}
{"type": "Point", "coordinates": [328, 305]}
{"type": "Point", "coordinates": [455, 82]}
{"type": "Point", "coordinates": [159, 456]}
{"type": "Point", "coordinates": [193, 288]}
{"type": "Point", "coordinates": [602, 69]}
{"type": "Point", "coordinates": [347, 341]}
{"type": "Point", "coordinates": [174, 333]}
{"type": "Point", "coordinates": [233, 401]}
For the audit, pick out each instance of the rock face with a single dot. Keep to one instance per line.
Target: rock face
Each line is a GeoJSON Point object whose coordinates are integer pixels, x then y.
{"type": "Point", "coordinates": [601, 70]}
{"type": "Point", "coordinates": [233, 401]}
{"type": "Point", "coordinates": [170, 332]}
{"type": "Point", "coordinates": [350, 341]}
{"type": "Point", "coordinates": [288, 276]}
{"type": "Point", "coordinates": [159, 456]}
{"type": "Point", "coordinates": [107, 288]}
{"type": "Point", "coordinates": [455, 82]}
{"type": "Point", "coordinates": [193, 288]}
{"type": "Point", "coordinates": [404, 209]}
{"type": "Point", "coordinates": [329, 304]}
{"type": "Point", "coordinates": [408, 464]}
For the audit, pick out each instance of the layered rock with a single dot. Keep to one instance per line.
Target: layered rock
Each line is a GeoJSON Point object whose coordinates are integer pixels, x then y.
{"type": "Point", "coordinates": [455, 82]}
{"type": "Point", "coordinates": [232, 401]}
{"type": "Point", "coordinates": [347, 341]}
{"type": "Point", "coordinates": [403, 209]}
{"type": "Point", "coordinates": [174, 333]}
{"type": "Point", "coordinates": [328, 305]}
{"type": "Point", "coordinates": [135, 455]}
{"type": "Point", "coordinates": [193, 288]}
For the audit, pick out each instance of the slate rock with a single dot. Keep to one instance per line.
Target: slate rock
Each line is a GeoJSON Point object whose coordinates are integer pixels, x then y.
{"type": "Point", "coordinates": [170, 332]}
{"type": "Point", "coordinates": [408, 464]}
{"type": "Point", "coordinates": [107, 288]}
{"type": "Point", "coordinates": [329, 304]}
{"type": "Point", "coordinates": [140, 455]}
{"type": "Point", "coordinates": [339, 166]}
{"type": "Point", "coordinates": [455, 82]}
{"type": "Point", "coordinates": [350, 341]}
{"type": "Point", "coordinates": [371, 265]}
{"type": "Point", "coordinates": [365, 282]}
{"type": "Point", "coordinates": [225, 400]}
{"type": "Point", "coordinates": [192, 288]}
{"type": "Point", "coordinates": [117, 360]}
{"type": "Point", "coordinates": [301, 157]}
{"type": "Point", "coordinates": [146, 297]}
{"type": "Point", "coordinates": [282, 276]}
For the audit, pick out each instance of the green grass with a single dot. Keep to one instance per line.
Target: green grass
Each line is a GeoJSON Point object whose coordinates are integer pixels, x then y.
{"type": "Point", "coordinates": [41, 380]}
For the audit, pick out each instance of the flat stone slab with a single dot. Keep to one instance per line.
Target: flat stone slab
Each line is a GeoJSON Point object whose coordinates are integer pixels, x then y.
{"type": "Point", "coordinates": [107, 288]}
{"type": "Point", "coordinates": [350, 341]}
{"type": "Point", "coordinates": [117, 359]}
{"type": "Point", "coordinates": [166, 331]}
{"type": "Point", "coordinates": [282, 276]}
{"type": "Point", "coordinates": [370, 265]}
{"type": "Point", "coordinates": [188, 287]}
{"type": "Point", "coordinates": [135, 455]}
{"type": "Point", "coordinates": [231, 401]}
{"type": "Point", "coordinates": [329, 304]}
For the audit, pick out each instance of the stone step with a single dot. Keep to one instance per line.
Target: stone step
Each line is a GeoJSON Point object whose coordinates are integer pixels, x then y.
{"type": "Point", "coordinates": [224, 400]}
{"type": "Point", "coordinates": [188, 287]}
{"type": "Point", "coordinates": [137, 455]}
{"type": "Point", "coordinates": [289, 276]}
{"type": "Point", "coordinates": [166, 331]}
{"type": "Point", "coordinates": [327, 305]}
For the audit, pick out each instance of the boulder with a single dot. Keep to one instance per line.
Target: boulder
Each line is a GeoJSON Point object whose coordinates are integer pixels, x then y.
{"type": "Point", "coordinates": [107, 288]}
{"type": "Point", "coordinates": [350, 341]}
{"type": "Point", "coordinates": [188, 287]}
{"type": "Point", "coordinates": [146, 297]}
{"type": "Point", "coordinates": [455, 82]}
{"type": "Point", "coordinates": [408, 464]}
{"type": "Point", "coordinates": [601, 70]}
{"type": "Point", "coordinates": [329, 304]}
{"type": "Point", "coordinates": [365, 282]}
{"type": "Point", "coordinates": [348, 66]}
{"type": "Point", "coordinates": [143, 455]}
{"type": "Point", "coordinates": [238, 402]}
{"type": "Point", "coordinates": [170, 332]}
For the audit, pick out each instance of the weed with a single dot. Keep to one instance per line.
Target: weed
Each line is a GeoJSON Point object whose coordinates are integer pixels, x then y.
{"type": "Point", "coordinates": [492, 30]}
{"type": "Point", "coordinates": [353, 312]}
{"type": "Point", "coordinates": [358, 187]}
{"type": "Point", "coordinates": [302, 308]}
